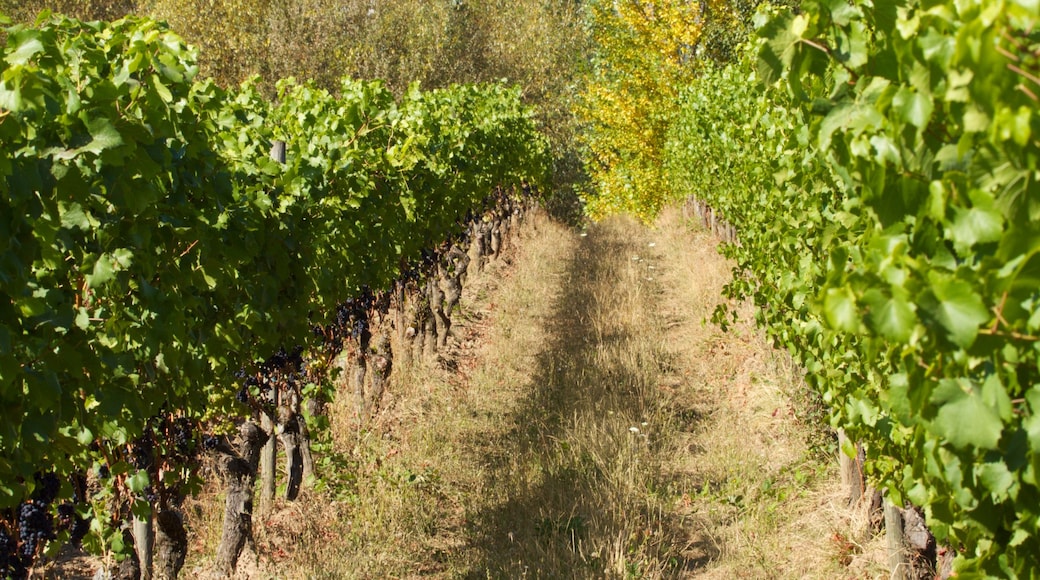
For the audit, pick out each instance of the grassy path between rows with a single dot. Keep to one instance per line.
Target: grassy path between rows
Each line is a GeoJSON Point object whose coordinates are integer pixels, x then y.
{"type": "Point", "coordinates": [587, 423]}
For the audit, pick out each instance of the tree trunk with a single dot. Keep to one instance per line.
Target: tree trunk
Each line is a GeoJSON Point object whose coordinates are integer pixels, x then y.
{"type": "Point", "coordinates": [239, 471]}
{"type": "Point", "coordinates": [402, 324]}
{"type": "Point", "coordinates": [476, 249]}
{"type": "Point", "coordinates": [129, 568]}
{"type": "Point", "coordinates": [496, 238]}
{"type": "Point", "coordinates": [171, 544]}
{"type": "Point", "coordinates": [357, 380]}
{"type": "Point", "coordinates": [382, 364]}
{"type": "Point", "coordinates": [314, 408]}
{"type": "Point", "coordinates": [430, 322]}
{"type": "Point", "coordinates": [453, 278]}
{"type": "Point", "coordinates": [442, 289]}
{"type": "Point", "coordinates": [919, 544]}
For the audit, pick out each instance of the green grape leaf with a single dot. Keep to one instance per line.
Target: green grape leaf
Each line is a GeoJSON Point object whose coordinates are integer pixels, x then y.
{"type": "Point", "coordinates": [964, 419]}
{"type": "Point", "coordinates": [913, 106]}
{"type": "Point", "coordinates": [842, 13]}
{"type": "Point", "coordinates": [891, 316]}
{"type": "Point", "coordinates": [104, 136]}
{"type": "Point", "coordinates": [138, 482]}
{"type": "Point", "coordinates": [28, 43]}
{"type": "Point", "coordinates": [997, 479]}
{"type": "Point", "coordinates": [73, 216]}
{"type": "Point", "coordinates": [1031, 424]}
{"type": "Point", "coordinates": [958, 308]}
{"type": "Point", "coordinates": [976, 225]}
{"type": "Point", "coordinates": [107, 265]}
{"type": "Point", "coordinates": [778, 50]}
{"type": "Point", "coordinates": [839, 305]}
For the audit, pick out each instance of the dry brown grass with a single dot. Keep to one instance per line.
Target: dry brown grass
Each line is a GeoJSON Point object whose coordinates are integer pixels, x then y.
{"type": "Point", "coordinates": [592, 424]}
{"type": "Point", "coordinates": [768, 503]}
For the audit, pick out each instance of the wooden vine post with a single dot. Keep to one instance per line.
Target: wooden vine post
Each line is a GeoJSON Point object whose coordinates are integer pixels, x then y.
{"type": "Point", "coordinates": [268, 458]}
{"type": "Point", "coordinates": [897, 562]}
{"type": "Point", "coordinates": [269, 454]}
{"type": "Point", "coordinates": [851, 467]}
{"type": "Point", "coordinates": [291, 439]}
{"type": "Point", "coordinates": [144, 541]}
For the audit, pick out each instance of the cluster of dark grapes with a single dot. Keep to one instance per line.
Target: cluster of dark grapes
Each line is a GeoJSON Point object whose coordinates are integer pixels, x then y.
{"type": "Point", "coordinates": [180, 446]}
{"type": "Point", "coordinates": [282, 360]}
{"type": "Point", "coordinates": [249, 383]}
{"type": "Point", "coordinates": [417, 271]}
{"type": "Point", "coordinates": [68, 519]}
{"type": "Point", "coordinates": [151, 495]}
{"type": "Point", "coordinates": [284, 369]}
{"type": "Point", "coordinates": [351, 321]}
{"type": "Point", "coordinates": [142, 452]}
{"type": "Point", "coordinates": [210, 442]}
{"type": "Point", "coordinates": [11, 564]}
{"type": "Point", "coordinates": [35, 527]}
{"type": "Point", "coordinates": [180, 434]}
{"type": "Point", "coordinates": [47, 488]}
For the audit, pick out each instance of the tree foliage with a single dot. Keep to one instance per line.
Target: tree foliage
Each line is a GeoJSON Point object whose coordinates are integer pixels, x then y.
{"type": "Point", "coordinates": [539, 45]}
{"type": "Point", "coordinates": [643, 51]}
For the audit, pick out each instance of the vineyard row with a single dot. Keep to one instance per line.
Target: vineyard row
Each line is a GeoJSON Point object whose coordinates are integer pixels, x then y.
{"type": "Point", "coordinates": [163, 276]}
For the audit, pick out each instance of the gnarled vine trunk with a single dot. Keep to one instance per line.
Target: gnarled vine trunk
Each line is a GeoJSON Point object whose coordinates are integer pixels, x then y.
{"type": "Point", "coordinates": [171, 544]}
{"type": "Point", "coordinates": [238, 468]}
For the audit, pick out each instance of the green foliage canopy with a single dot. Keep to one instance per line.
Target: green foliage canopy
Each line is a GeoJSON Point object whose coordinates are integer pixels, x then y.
{"type": "Point", "coordinates": [149, 246]}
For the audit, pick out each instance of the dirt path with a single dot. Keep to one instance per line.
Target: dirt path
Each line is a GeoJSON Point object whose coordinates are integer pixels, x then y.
{"type": "Point", "coordinates": [569, 488]}
{"type": "Point", "coordinates": [588, 422]}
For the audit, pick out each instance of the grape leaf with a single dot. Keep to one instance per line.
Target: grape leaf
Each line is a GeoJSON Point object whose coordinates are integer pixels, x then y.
{"type": "Point", "coordinates": [958, 308]}
{"type": "Point", "coordinates": [839, 306]}
{"type": "Point", "coordinates": [968, 422]}
{"type": "Point", "coordinates": [28, 43]}
{"type": "Point", "coordinates": [891, 316]}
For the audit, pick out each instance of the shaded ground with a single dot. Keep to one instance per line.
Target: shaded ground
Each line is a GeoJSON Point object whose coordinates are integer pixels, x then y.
{"type": "Point", "coordinates": [576, 478]}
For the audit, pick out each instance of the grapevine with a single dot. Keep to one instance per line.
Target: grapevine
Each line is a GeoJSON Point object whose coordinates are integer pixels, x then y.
{"type": "Point", "coordinates": [150, 247]}
{"type": "Point", "coordinates": [880, 176]}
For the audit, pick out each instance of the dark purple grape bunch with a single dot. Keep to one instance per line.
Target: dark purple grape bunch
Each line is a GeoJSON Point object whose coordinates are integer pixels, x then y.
{"type": "Point", "coordinates": [181, 446]}
{"type": "Point", "coordinates": [282, 360]}
{"type": "Point", "coordinates": [142, 451]}
{"type": "Point", "coordinates": [210, 442]}
{"type": "Point", "coordinates": [250, 384]}
{"type": "Point", "coordinates": [351, 321]}
{"type": "Point", "coordinates": [19, 547]}
{"type": "Point", "coordinates": [254, 391]}
{"type": "Point", "coordinates": [11, 563]}
{"type": "Point", "coordinates": [283, 370]}
{"type": "Point", "coordinates": [35, 529]}
{"type": "Point", "coordinates": [180, 437]}
{"type": "Point", "coordinates": [69, 518]}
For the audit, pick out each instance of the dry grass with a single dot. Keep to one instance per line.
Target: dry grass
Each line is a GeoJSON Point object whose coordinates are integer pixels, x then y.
{"type": "Point", "coordinates": [768, 501]}
{"type": "Point", "coordinates": [589, 424]}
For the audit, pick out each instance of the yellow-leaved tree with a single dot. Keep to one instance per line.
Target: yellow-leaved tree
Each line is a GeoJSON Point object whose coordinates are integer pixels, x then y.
{"type": "Point", "coordinates": [644, 52]}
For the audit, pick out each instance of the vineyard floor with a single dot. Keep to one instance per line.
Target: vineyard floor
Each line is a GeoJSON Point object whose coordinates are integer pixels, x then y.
{"type": "Point", "coordinates": [587, 421]}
